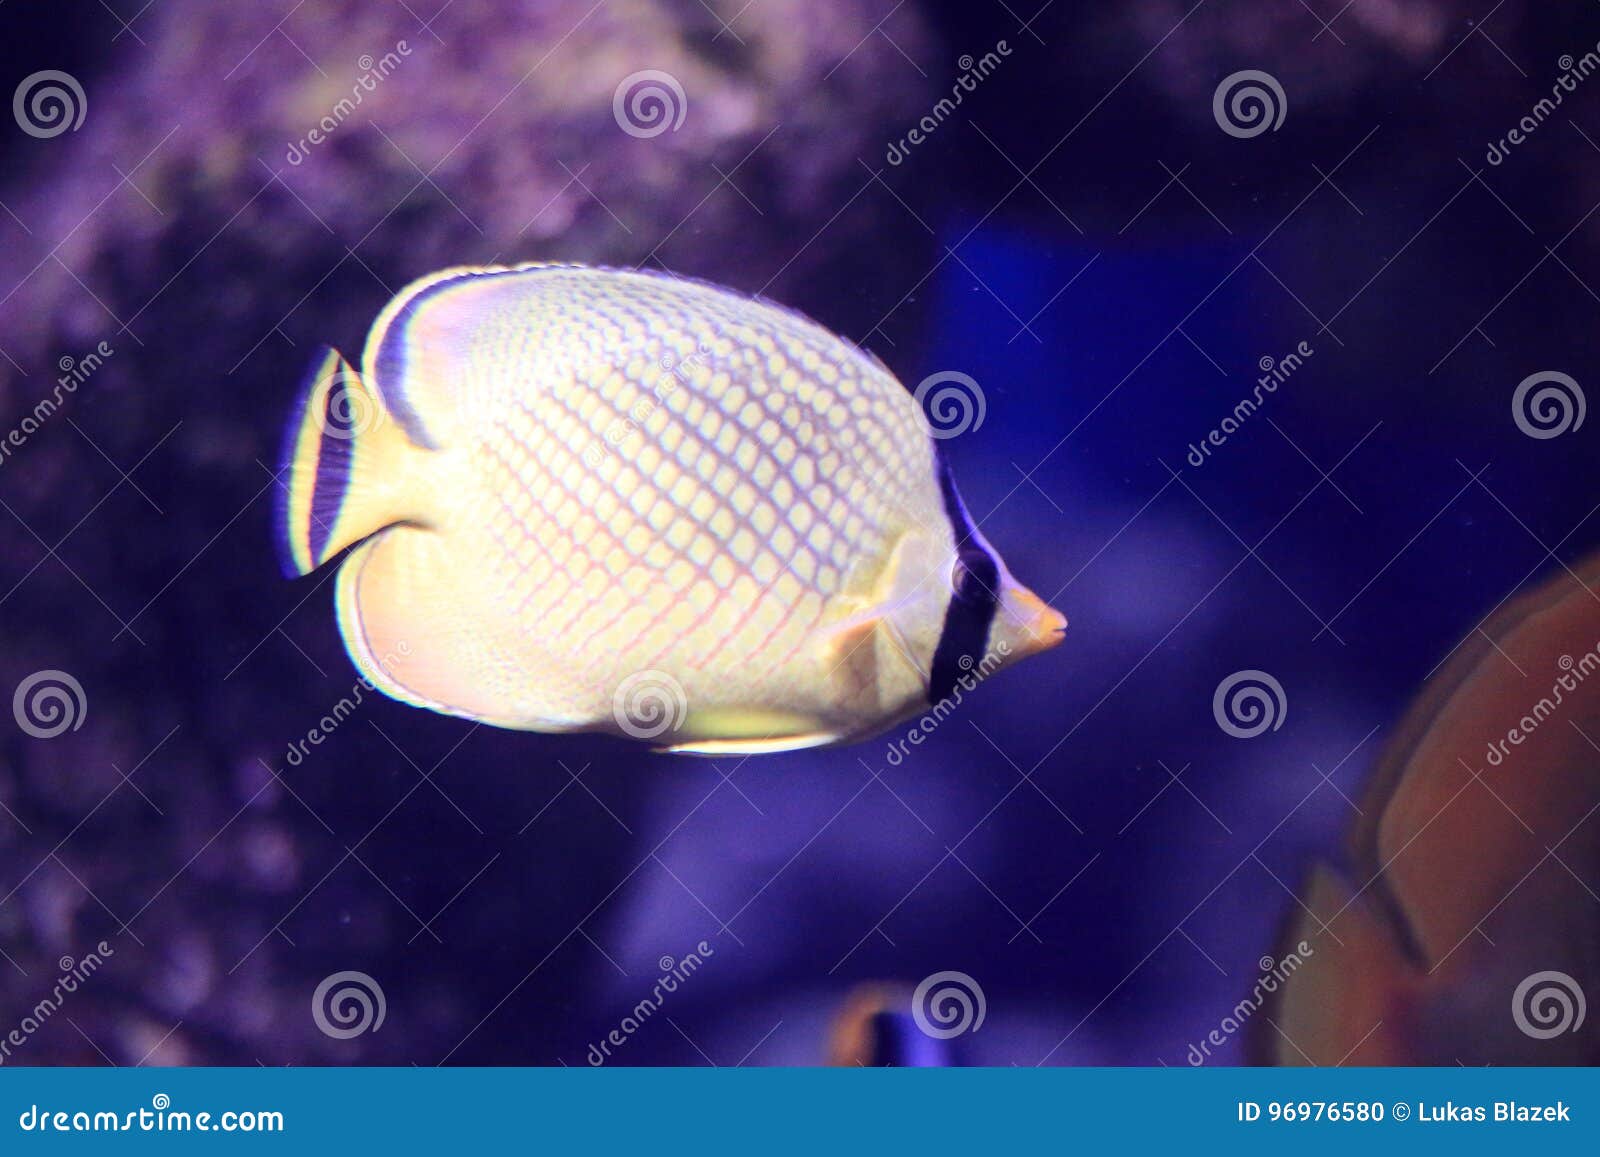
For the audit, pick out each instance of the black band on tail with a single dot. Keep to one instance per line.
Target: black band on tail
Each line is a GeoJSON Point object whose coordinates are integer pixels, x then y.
{"type": "Point", "coordinates": [333, 464]}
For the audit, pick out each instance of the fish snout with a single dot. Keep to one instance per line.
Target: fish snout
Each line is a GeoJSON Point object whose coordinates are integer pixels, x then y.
{"type": "Point", "coordinates": [1040, 625]}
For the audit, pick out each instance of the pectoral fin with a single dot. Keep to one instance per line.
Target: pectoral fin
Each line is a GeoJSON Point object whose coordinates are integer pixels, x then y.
{"type": "Point", "coordinates": [853, 635]}
{"type": "Point", "coordinates": [899, 587]}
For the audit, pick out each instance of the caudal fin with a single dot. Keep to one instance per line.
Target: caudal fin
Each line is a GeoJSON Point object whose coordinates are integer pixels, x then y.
{"type": "Point", "coordinates": [345, 471]}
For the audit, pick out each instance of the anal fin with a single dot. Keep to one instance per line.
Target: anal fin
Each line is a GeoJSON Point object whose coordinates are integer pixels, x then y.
{"type": "Point", "coordinates": [751, 746]}
{"type": "Point", "coordinates": [748, 731]}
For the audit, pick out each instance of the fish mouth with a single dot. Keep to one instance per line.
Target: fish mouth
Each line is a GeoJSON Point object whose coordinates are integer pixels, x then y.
{"type": "Point", "coordinates": [1050, 629]}
{"type": "Point", "coordinates": [1045, 626]}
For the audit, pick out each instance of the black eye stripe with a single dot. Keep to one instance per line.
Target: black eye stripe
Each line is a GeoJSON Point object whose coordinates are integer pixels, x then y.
{"type": "Point", "coordinates": [972, 607]}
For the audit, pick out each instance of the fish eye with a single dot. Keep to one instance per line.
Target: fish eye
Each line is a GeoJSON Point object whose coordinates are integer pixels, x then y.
{"type": "Point", "coordinates": [958, 575]}
{"type": "Point", "coordinates": [974, 575]}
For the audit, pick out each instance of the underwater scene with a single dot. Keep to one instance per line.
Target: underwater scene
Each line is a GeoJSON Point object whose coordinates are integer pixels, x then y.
{"type": "Point", "coordinates": [799, 533]}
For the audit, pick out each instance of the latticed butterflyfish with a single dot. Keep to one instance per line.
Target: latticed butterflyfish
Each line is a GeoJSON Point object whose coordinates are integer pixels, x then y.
{"type": "Point", "coordinates": [595, 500]}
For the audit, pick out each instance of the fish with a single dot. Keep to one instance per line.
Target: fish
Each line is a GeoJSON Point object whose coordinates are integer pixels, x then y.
{"type": "Point", "coordinates": [875, 1027]}
{"type": "Point", "coordinates": [579, 499]}
{"type": "Point", "coordinates": [1459, 923]}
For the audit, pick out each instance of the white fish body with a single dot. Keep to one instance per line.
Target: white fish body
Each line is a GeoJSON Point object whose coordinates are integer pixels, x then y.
{"type": "Point", "coordinates": [599, 500]}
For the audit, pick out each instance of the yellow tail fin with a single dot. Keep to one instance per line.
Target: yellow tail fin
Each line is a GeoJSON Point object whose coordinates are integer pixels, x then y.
{"type": "Point", "coordinates": [348, 471]}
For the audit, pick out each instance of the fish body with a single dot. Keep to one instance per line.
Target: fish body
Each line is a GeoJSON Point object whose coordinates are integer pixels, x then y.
{"type": "Point", "coordinates": [586, 499]}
